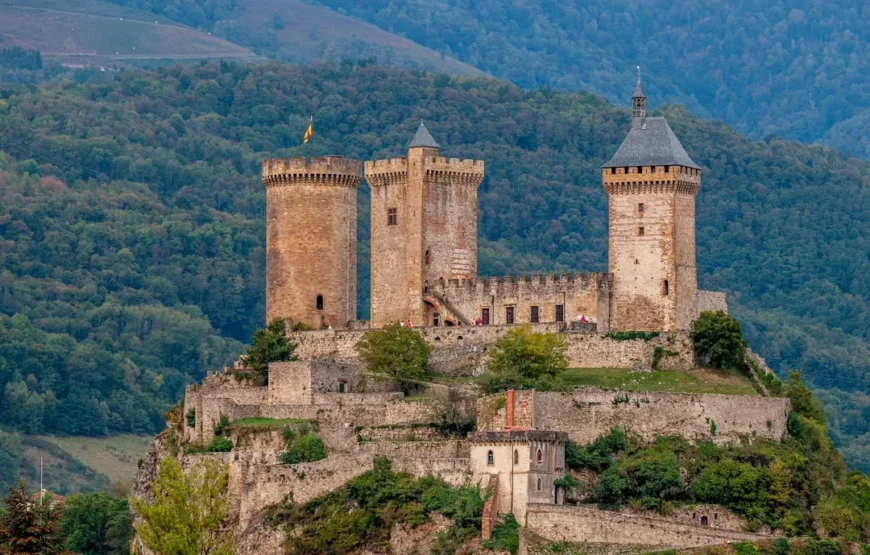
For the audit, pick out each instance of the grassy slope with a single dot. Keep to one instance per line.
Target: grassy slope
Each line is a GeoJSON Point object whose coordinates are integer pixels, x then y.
{"type": "Point", "coordinates": [105, 32]}
{"type": "Point", "coordinates": [115, 457]}
{"type": "Point", "coordinates": [315, 33]}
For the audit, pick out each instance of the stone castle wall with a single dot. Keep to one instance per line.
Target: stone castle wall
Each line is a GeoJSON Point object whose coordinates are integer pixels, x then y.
{"type": "Point", "coordinates": [588, 413]}
{"type": "Point", "coordinates": [463, 349]}
{"type": "Point", "coordinates": [576, 294]}
{"type": "Point", "coordinates": [710, 301]}
{"type": "Point", "coordinates": [589, 525]}
{"type": "Point", "coordinates": [311, 239]}
{"type": "Point", "coordinates": [592, 526]}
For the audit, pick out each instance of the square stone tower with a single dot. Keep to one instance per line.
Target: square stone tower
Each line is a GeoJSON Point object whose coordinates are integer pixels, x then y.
{"type": "Point", "coordinates": [311, 239]}
{"type": "Point", "coordinates": [423, 230]}
{"type": "Point", "coordinates": [651, 183]}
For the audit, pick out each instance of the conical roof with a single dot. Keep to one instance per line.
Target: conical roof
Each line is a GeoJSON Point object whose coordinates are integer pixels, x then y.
{"type": "Point", "coordinates": [423, 138]}
{"type": "Point", "coordinates": [652, 143]}
{"type": "Point", "coordinates": [638, 90]}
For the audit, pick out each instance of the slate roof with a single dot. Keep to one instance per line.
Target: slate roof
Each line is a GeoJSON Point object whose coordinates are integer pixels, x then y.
{"type": "Point", "coordinates": [651, 144]}
{"type": "Point", "coordinates": [423, 138]}
{"type": "Point", "coordinates": [638, 91]}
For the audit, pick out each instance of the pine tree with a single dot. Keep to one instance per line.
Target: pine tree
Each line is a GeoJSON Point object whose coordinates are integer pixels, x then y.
{"type": "Point", "coordinates": [30, 525]}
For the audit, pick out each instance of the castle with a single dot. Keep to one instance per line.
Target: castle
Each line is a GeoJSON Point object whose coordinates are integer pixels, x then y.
{"type": "Point", "coordinates": [424, 271]}
{"type": "Point", "coordinates": [424, 242]}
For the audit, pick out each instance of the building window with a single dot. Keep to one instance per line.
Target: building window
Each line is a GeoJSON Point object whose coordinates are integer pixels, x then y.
{"type": "Point", "coordinates": [516, 456]}
{"type": "Point", "coordinates": [560, 313]}
{"type": "Point", "coordinates": [540, 456]}
{"type": "Point", "coordinates": [484, 316]}
{"type": "Point", "coordinates": [392, 216]}
{"type": "Point", "coordinates": [490, 460]}
{"type": "Point", "coordinates": [436, 319]}
{"type": "Point", "coordinates": [665, 288]}
{"type": "Point", "coordinates": [640, 231]}
{"type": "Point", "coordinates": [540, 484]}
{"type": "Point", "coordinates": [341, 387]}
{"type": "Point", "coordinates": [427, 257]}
{"type": "Point", "coordinates": [509, 315]}
{"type": "Point", "coordinates": [535, 315]}
{"type": "Point", "coordinates": [319, 302]}
{"type": "Point", "coordinates": [640, 208]}
{"type": "Point", "coordinates": [613, 171]}
{"type": "Point", "coordinates": [640, 169]}
{"type": "Point", "coordinates": [704, 521]}
{"type": "Point", "coordinates": [667, 169]}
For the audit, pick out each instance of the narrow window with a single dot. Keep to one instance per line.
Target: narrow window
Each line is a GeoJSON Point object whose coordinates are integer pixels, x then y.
{"type": "Point", "coordinates": [509, 315]}
{"type": "Point", "coordinates": [560, 313]}
{"type": "Point", "coordinates": [392, 216]}
{"type": "Point", "coordinates": [665, 288]}
{"type": "Point", "coordinates": [640, 231]}
{"type": "Point", "coordinates": [516, 456]}
{"type": "Point", "coordinates": [490, 460]}
{"type": "Point", "coordinates": [667, 169]}
{"type": "Point", "coordinates": [704, 521]}
{"type": "Point", "coordinates": [715, 516]}
{"type": "Point", "coordinates": [540, 456]}
{"type": "Point", "coordinates": [484, 316]}
{"type": "Point", "coordinates": [341, 387]}
{"type": "Point", "coordinates": [319, 302]}
{"type": "Point", "coordinates": [535, 315]}
{"type": "Point", "coordinates": [436, 318]}
{"type": "Point", "coordinates": [640, 169]}
{"type": "Point", "coordinates": [640, 208]}
{"type": "Point", "coordinates": [427, 257]}
{"type": "Point", "coordinates": [613, 171]}
{"type": "Point", "coordinates": [540, 484]}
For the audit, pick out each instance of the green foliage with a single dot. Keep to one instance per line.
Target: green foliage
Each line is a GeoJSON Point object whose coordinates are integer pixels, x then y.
{"type": "Point", "coordinates": [523, 359]}
{"type": "Point", "coordinates": [28, 525]}
{"type": "Point", "coordinates": [803, 403]}
{"type": "Point", "coordinates": [395, 351]}
{"type": "Point", "coordinates": [362, 512]}
{"type": "Point", "coordinates": [220, 445]}
{"type": "Point", "coordinates": [222, 424]}
{"type": "Point", "coordinates": [597, 455]}
{"type": "Point", "coordinates": [187, 512]}
{"type": "Point", "coordinates": [718, 340]}
{"type": "Point", "coordinates": [269, 344]}
{"type": "Point", "coordinates": [305, 447]}
{"type": "Point", "coordinates": [19, 58]}
{"type": "Point", "coordinates": [10, 457]}
{"type": "Point", "coordinates": [648, 476]}
{"type": "Point", "coordinates": [632, 335]}
{"type": "Point", "coordinates": [191, 418]}
{"type": "Point", "coordinates": [97, 524]}
{"type": "Point", "coordinates": [109, 210]}
{"type": "Point", "coordinates": [745, 548]}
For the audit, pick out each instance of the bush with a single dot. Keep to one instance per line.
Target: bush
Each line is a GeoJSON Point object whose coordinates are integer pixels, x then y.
{"type": "Point", "coordinates": [220, 445]}
{"type": "Point", "coordinates": [525, 359]}
{"type": "Point", "coordinates": [395, 351]}
{"type": "Point", "coordinates": [718, 340]}
{"type": "Point", "coordinates": [649, 477]}
{"type": "Point", "coordinates": [596, 455]}
{"type": "Point", "coordinates": [505, 535]}
{"type": "Point", "coordinates": [191, 418]}
{"type": "Point", "coordinates": [222, 424]}
{"type": "Point", "coordinates": [303, 446]}
{"type": "Point", "coordinates": [631, 335]}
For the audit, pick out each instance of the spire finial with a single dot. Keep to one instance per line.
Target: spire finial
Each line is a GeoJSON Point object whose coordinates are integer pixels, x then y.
{"type": "Point", "coordinates": [638, 103]}
{"type": "Point", "coordinates": [638, 74]}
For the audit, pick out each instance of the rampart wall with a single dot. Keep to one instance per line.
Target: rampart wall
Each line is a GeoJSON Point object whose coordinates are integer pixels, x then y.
{"type": "Point", "coordinates": [462, 349]}
{"type": "Point", "coordinates": [710, 301]}
{"type": "Point", "coordinates": [588, 413]}
{"type": "Point", "coordinates": [592, 526]}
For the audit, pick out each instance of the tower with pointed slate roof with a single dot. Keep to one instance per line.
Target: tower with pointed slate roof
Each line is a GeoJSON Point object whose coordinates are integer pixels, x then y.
{"type": "Point", "coordinates": [423, 230]}
{"type": "Point", "coordinates": [651, 183]}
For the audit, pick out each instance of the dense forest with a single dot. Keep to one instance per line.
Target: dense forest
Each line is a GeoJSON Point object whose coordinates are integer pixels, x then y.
{"type": "Point", "coordinates": [131, 224]}
{"type": "Point", "coordinates": [794, 68]}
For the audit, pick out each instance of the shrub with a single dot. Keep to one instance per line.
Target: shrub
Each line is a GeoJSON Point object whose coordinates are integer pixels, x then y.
{"type": "Point", "coordinates": [649, 476]}
{"type": "Point", "coordinates": [220, 445]}
{"type": "Point", "coordinates": [191, 418]}
{"type": "Point", "coordinates": [505, 535]}
{"type": "Point", "coordinates": [631, 335]}
{"type": "Point", "coordinates": [303, 447]}
{"type": "Point", "coordinates": [222, 424]}
{"type": "Point", "coordinates": [395, 351]}
{"type": "Point", "coordinates": [525, 359]}
{"type": "Point", "coordinates": [718, 340]}
{"type": "Point", "coordinates": [596, 455]}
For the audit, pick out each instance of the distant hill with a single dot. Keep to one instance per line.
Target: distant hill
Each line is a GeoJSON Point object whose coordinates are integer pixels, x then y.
{"type": "Point", "coordinates": [88, 33]}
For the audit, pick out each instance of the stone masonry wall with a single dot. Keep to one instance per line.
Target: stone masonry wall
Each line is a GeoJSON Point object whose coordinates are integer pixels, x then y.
{"type": "Point", "coordinates": [710, 301]}
{"type": "Point", "coordinates": [592, 526]}
{"type": "Point", "coordinates": [588, 413]}
{"type": "Point", "coordinates": [586, 294]}
{"type": "Point", "coordinates": [460, 349]}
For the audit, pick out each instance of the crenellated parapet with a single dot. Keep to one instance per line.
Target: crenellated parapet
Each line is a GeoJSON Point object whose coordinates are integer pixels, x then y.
{"type": "Point", "coordinates": [327, 170]}
{"type": "Point", "coordinates": [386, 172]}
{"type": "Point", "coordinates": [651, 180]}
{"type": "Point", "coordinates": [503, 284]}
{"type": "Point", "coordinates": [458, 171]}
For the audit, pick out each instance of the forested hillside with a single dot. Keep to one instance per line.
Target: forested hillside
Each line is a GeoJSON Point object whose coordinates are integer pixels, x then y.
{"type": "Point", "coordinates": [132, 232]}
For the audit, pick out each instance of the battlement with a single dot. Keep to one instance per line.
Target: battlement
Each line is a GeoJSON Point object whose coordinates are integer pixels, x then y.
{"type": "Point", "coordinates": [584, 280]}
{"type": "Point", "coordinates": [465, 171]}
{"type": "Point", "coordinates": [465, 165]}
{"type": "Point", "coordinates": [374, 167]}
{"type": "Point", "coordinates": [327, 170]}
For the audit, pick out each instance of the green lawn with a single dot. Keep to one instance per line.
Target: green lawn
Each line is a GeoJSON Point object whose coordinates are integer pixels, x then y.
{"type": "Point", "coordinates": [114, 456]}
{"type": "Point", "coordinates": [267, 423]}
{"type": "Point", "coordinates": [698, 381]}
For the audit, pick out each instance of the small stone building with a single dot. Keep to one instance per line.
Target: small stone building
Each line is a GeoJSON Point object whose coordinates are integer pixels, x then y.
{"type": "Point", "coordinates": [527, 464]}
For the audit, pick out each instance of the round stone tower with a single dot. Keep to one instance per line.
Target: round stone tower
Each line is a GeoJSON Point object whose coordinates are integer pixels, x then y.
{"type": "Point", "coordinates": [311, 239]}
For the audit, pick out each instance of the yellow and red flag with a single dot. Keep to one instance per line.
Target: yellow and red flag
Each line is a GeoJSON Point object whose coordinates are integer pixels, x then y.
{"type": "Point", "coordinates": [309, 131]}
